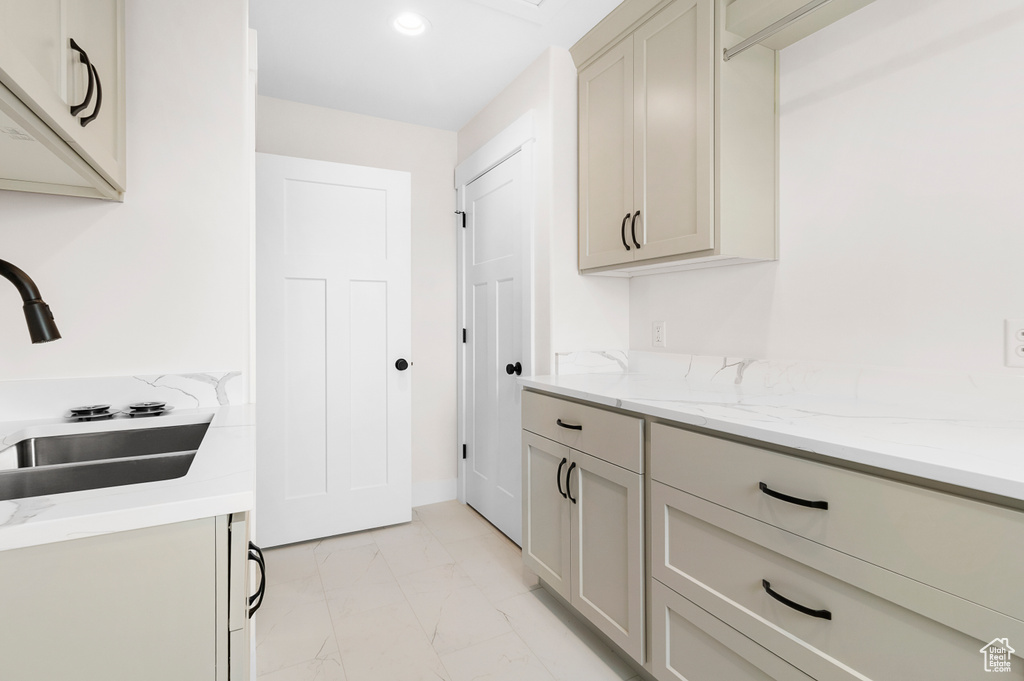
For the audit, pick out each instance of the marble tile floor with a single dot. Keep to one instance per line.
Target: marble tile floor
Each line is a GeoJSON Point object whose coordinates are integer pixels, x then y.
{"type": "Point", "coordinates": [444, 597]}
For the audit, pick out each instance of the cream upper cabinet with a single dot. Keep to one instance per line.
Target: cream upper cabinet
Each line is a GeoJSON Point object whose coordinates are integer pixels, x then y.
{"type": "Point", "coordinates": [676, 147]}
{"type": "Point", "coordinates": [606, 157]}
{"type": "Point", "coordinates": [62, 105]}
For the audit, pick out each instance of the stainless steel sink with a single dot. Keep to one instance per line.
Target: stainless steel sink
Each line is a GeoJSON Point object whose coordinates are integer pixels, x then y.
{"type": "Point", "coordinates": [69, 463]}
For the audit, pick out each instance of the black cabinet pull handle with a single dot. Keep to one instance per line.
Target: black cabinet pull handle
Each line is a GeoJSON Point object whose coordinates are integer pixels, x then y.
{"type": "Point", "coordinates": [516, 369]}
{"type": "Point", "coordinates": [823, 505]}
{"type": "Point", "coordinates": [99, 97]}
{"type": "Point", "coordinates": [568, 475]}
{"type": "Point", "coordinates": [821, 614]}
{"type": "Point", "coordinates": [558, 478]}
{"type": "Point", "coordinates": [79, 108]}
{"type": "Point", "coordinates": [632, 229]}
{"type": "Point", "coordinates": [568, 425]}
{"type": "Point", "coordinates": [402, 365]}
{"type": "Point", "coordinates": [623, 230]}
{"type": "Point", "coordinates": [256, 600]}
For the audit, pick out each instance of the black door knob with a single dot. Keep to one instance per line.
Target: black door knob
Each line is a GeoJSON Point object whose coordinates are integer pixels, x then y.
{"type": "Point", "coordinates": [516, 369]}
{"type": "Point", "coordinates": [401, 365]}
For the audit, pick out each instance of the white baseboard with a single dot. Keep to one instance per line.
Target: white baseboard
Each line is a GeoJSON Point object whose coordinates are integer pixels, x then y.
{"type": "Point", "coordinates": [434, 491]}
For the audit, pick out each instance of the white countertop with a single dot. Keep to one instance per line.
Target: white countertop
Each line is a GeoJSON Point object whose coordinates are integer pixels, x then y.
{"type": "Point", "coordinates": [977, 453]}
{"type": "Point", "coordinates": [219, 481]}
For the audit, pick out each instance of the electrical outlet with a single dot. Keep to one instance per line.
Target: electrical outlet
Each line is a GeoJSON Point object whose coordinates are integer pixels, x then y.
{"type": "Point", "coordinates": [1013, 335]}
{"type": "Point", "coordinates": [658, 332]}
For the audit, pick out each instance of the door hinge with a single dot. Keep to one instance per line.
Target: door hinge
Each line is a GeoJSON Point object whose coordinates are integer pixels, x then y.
{"type": "Point", "coordinates": [463, 451]}
{"type": "Point", "coordinates": [463, 335]}
{"type": "Point", "coordinates": [463, 214]}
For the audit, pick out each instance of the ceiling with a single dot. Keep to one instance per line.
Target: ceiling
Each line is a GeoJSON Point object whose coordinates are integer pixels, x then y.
{"type": "Point", "coordinates": [343, 54]}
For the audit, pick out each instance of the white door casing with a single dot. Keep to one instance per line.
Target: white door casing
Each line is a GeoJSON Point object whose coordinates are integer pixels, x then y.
{"type": "Point", "coordinates": [495, 192]}
{"type": "Point", "coordinates": [333, 304]}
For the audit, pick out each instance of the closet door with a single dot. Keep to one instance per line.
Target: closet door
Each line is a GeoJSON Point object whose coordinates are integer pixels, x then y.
{"type": "Point", "coordinates": [674, 130]}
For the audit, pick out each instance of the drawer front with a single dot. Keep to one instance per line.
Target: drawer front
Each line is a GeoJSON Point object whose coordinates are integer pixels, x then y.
{"type": "Point", "coordinates": [691, 645]}
{"type": "Point", "coordinates": [768, 594]}
{"type": "Point", "coordinates": [608, 435]}
{"type": "Point", "coordinates": [966, 547]}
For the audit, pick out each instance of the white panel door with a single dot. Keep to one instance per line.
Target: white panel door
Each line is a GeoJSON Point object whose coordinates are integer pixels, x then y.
{"type": "Point", "coordinates": [333, 321]}
{"type": "Point", "coordinates": [493, 262]}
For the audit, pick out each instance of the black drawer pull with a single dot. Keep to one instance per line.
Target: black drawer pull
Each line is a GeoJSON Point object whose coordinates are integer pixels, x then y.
{"type": "Point", "coordinates": [823, 505]}
{"type": "Point", "coordinates": [821, 614]}
{"type": "Point", "coordinates": [568, 425]}
{"type": "Point", "coordinates": [558, 478]}
{"type": "Point", "coordinates": [568, 476]}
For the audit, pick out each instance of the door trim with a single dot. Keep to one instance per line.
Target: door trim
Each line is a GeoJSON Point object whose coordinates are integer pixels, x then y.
{"type": "Point", "coordinates": [519, 137]}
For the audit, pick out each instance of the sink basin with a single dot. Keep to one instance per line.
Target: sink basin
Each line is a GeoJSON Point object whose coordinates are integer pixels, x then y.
{"type": "Point", "coordinates": [69, 463]}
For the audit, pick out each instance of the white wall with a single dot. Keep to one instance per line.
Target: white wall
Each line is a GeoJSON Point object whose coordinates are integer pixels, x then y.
{"type": "Point", "coordinates": [572, 312]}
{"type": "Point", "coordinates": [160, 283]}
{"type": "Point", "coordinates": [305, 131]}
{"type": "Point", "coordinates": [901, 196]}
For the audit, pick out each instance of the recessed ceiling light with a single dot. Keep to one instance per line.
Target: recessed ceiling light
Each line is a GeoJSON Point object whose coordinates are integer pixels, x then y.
{"type": "Point", "coordinates": [410, 23]}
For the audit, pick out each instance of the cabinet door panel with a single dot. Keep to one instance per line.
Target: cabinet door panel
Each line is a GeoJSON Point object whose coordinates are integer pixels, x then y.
{"type": "Point", "coordinates": [606, 156]}
{"type": "Point", "coordinates": [673, 157]}
{"type": "Point", "coordinates": [546, 511]}
{"type": "Point", "coordinates": [607, 550]}
{"type": "Point", "coordinates": [33, 29]}
{"type": "Point", "coordinates": [118, 607]}
{"type": "Point", "coordinates": [95, 27]}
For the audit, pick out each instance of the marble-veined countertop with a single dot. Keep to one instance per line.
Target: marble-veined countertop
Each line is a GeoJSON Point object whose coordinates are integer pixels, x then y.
{"type": "Point", "coordinates": [976, 450]}
{"type": "Point", "coordinates": [219, 481]}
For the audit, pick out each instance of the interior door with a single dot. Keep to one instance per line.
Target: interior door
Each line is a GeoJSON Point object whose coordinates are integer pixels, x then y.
{"type": "Point", "coordinates": [332, 333]}
{"type": "Point", "coordinates": [493, 262]}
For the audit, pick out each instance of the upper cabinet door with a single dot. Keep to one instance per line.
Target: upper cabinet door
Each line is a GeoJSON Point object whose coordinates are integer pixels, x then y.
{"type": "Point", "coordinates": [49, 144]}
{"type": "Point", "coordinates": [95, 28]}
{"type": "Point", "coordinates": [606, 158]}
{"type": "Point", "coordinates": [674, 133]}
{"type": "Point", "coordinates": [33, 30]}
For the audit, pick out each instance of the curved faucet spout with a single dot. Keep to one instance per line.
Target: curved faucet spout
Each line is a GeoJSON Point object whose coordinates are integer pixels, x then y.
{"type": "Point", "coordinates": [41, 327]}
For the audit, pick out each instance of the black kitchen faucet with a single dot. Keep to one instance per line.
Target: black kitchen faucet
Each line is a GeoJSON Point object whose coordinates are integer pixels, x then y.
{"type": "Point", "coordinates": [41, 326]}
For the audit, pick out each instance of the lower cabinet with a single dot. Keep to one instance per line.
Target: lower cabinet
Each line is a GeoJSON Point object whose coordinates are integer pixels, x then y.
{"type": "Point", "coordinates": [760, 565]}
{"type": "Point", "coordinates": [764, 565]}
{"type": "Point", "coordinates": [690, 644]}
{"type": "Point", "coordinates": [162, 603]}
{"type": "Point", "coordinates": [583, 535]}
